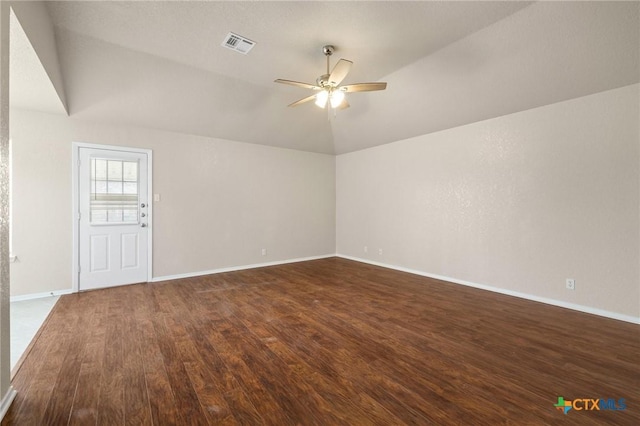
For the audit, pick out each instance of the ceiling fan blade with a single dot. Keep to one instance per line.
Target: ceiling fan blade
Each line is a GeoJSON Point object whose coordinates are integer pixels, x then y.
{"type": "Point", "coordinates": [298, 84]}
{"type": "Point", "coordinates": [364, 87]}
{"type": "Point", "coordinates": [303, 100]}
{"type": "Point", "coordinates": [340, 71]}
{"type": "Point", "coordinates": [344, 105]}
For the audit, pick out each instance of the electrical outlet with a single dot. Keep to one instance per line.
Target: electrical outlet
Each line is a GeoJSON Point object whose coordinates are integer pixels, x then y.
{"type": "Point", "coordinates": [380, 252]}
{"type": "Point", "coordinates": [264, 252]}
{"type": "Point", "coordinates": [366, 249]}
{"type": "Point", "coordinates": [571, 284]}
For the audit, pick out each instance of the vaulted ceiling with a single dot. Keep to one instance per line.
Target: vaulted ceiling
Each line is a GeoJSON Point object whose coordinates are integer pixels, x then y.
{"type": "Point", "coordinates": [161, 64]}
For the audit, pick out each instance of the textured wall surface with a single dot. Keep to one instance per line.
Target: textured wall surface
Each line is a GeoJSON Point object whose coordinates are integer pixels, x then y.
{"type": "Point", "coordinates": [221, 201]}
{"type": "Point", "coordinates": [34, 19]}
{"type": "Point", "coordinates": [5, 353]}
{"type": "Point", "coordinates": [519, 202]}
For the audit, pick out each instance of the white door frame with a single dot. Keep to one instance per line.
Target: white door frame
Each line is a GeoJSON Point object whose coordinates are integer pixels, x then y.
{"type": "Point", "coordinates": [75, 206]}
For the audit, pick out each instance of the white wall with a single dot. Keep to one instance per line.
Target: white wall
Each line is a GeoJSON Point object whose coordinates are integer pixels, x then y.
{"type": "Point", "coordinates": [520, 202]}
{"type": "Point", "coordinates": [7, 393]}
{"type": "Point", "coordinates": [34, 19]}
{"type": "Point", "coordinates": [221, 201]}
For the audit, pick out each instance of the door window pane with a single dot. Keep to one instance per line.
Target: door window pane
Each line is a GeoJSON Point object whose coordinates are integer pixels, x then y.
{"type": "Point", "coordinates": [113, 195]}
{"type": "Point", "coordinates": [98, 215]}
{"type": "Point", "coordinates": [130, 215]}
{"type": "Point", "coordinates": [114, 187]}
{"type": "Point", "coordinates": [100, 170]}
{"type": "Point", "coordinates": [114, 170]}
{"type": "Point", "coordinates": [100, 187]}
{"type": "Point", "coordinates": [130, 171]}
{"type": "Point", "coordinates": [114, 215]}
{"type": "Point", "coordinates": [130, 188]}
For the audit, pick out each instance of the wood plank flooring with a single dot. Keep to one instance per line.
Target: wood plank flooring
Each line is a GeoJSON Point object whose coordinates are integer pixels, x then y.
{"type": "Point", "coordinates": [326, 342]}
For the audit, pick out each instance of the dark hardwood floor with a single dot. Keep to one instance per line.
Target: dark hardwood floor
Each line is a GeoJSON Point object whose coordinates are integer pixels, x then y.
{"type": "Point", "coordinates": [323, 342]}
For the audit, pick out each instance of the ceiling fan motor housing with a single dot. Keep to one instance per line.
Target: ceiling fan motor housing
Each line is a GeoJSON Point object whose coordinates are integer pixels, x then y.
{"type": "Point", "coordinates": [328, 49]}
{"type": "Point", "coordinates": [323, 81]}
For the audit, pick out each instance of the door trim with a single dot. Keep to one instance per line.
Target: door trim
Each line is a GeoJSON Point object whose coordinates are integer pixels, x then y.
{"type": "Point", "coordinates": [75, 206]}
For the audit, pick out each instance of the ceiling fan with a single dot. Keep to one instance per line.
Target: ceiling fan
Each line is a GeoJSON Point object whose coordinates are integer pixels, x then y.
{"type": "Point", "coordinates": [329, 92]}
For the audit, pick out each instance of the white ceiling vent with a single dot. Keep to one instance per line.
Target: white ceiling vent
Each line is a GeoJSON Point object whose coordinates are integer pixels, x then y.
{"type": "Point", "coordinates": [238, 43]}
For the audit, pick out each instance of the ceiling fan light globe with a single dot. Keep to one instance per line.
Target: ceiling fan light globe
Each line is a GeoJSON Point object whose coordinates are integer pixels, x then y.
{"type": "Point", "coordinates": [337, 97]}
{"type": "Point", "coordinates": [321, 98]}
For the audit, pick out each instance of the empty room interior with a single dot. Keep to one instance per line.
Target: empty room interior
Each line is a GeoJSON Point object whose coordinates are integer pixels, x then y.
{"type": "Point", "coordinates": [296, 213]}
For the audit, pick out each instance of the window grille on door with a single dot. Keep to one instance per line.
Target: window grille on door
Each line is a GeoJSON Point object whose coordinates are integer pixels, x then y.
{"type": "Point", "coordinates": [114, 192]}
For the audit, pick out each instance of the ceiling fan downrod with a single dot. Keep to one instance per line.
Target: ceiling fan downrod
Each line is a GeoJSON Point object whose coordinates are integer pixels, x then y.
{"type": "Point", "coordinates": [328, 51]}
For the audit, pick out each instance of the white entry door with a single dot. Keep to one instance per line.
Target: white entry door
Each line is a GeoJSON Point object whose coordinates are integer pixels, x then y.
{"type": "Point", "coordinates": [113, 221]}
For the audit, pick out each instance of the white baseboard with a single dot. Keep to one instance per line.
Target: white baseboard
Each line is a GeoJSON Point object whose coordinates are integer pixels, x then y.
{"type": "Point", "coordinates": [39, 295]}
{"type": "Point", "coordinates": [548, 301]}
{"type": "Point", "coordinates": [6, 401]}
{"type": "Point", "coordinates": [179, 276]}
{"type": "Point", "coordinates": [238, 268]}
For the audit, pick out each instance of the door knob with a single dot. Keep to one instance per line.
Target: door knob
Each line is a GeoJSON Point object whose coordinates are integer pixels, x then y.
{"type": "Point", "coordinates": [144, 225]}
{"type": "Point", "coordinates": [143, 205]}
